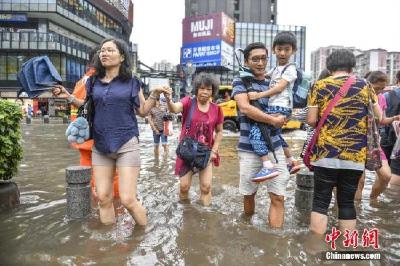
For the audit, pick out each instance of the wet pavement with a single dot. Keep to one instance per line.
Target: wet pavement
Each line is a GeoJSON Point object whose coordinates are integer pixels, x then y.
{"type": "Point", "coordinates": [38, 232]}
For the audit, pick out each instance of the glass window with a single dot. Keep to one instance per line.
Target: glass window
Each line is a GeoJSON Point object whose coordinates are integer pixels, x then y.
{"type": "Point", "coordinates": [63, 67]}
{"type": "Point", "coordinates": [69, 66]}
{"type": "Point", "coordinates": [21, 59]}
{"type": "Point", "coordinates": [12, 67]}
{"type": "Point", "coordinates": [15, 36]}
{"type": "Point", "coordinates": [64, 3]}
{"type": "Point", "coordinates": [33, 5]}
{"type": "Point", "coordinates": [3, 67]}
{"type": "Point", "coordinates": [77, 73]}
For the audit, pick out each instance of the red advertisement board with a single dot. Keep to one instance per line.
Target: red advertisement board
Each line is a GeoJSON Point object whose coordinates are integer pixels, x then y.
{"type": "Point", "coordinates": [209, 27]}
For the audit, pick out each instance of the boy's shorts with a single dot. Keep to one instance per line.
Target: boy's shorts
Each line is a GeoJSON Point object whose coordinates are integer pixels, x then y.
{"type": "Point", "coordinates": [127, 156]}
{"type": "Point", "coordinates": [250, 164]}
{"type": "Point", "coordinates": [286, 111]}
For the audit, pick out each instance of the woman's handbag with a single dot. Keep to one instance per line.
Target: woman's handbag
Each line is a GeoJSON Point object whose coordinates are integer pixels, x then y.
{"type": "Point", "coordinates": [339, 95]}
{"type": "Point", "coordinates": [193, 153]}
{"type": "Point", "coordinates": [87, 109]}
{"type": "Point", "coordinates": [374, 160]}
{"type": "Point", "coordinates": [190, 150]}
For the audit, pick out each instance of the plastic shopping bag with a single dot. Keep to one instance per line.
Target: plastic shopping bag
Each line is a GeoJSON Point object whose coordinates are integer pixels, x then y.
{"type": "Point", "coordinates": [396, 148]}
{"type": "Point", "coordinates": [168, 128]}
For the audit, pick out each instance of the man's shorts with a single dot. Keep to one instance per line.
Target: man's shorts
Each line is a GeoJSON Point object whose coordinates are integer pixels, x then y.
{"type": "Point", "coordinates": [127, 156]}
{"type": "Point", "coordinates": [250, 164]}
{"type": "Point", "coordinates": [395, 166]}
{"type": "Point", "coordinates": [156, 138]}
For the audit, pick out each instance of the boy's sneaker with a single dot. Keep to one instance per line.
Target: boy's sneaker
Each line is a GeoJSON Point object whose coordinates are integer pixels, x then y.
{"type": "Point", "coordinates": [293, 168]}
{"type": "Point", "coordinates": [265, 174]}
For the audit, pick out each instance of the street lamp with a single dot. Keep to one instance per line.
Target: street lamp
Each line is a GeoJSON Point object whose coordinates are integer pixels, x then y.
{"type": "Point", "coordinates": [189, 69]}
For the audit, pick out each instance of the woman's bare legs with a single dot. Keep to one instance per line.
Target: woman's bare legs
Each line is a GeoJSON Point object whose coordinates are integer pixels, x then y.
{"type": "Point", "coordinates": [318, 223]}
{"type": "Point", "coordinates": [360, 187]}
{"type": "Point", "coordinates": [128, 193]}
{"type": "Point", "coordinates": [103, 176]}
{"type": "Point", "coordinates": [395, 180]}
{"type": "Point", "coordinates": [205, 185]}
{"type": "Point", "coordinates": [184, 185]}
{"type": "Point", "coordinates": [382, 179]}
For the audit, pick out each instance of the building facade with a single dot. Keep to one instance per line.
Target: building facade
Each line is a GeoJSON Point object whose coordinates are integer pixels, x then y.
{"type": "Point", "coordinates": [246, 33]}
{"type": "Point", "coordinates": [255, 21]}
{"type": "Point", "coordinates": [64, 30]}
{"type": "Point", "coordinates": [318, 57]}
{"type": "Point", "coordinates": [393, 66]}
{"type": "Point", "coordinates": [379, 59]}
{"type": "Point", "coordinates": [256, 11]}
{"type": "Point", "coordinates": [369, 60]}
{"type": "Point", "coordinates": [164, 65]}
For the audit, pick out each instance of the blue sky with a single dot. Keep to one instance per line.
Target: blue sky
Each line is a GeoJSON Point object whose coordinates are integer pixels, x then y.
{"type": "Point", "coordinates": [363, 24]}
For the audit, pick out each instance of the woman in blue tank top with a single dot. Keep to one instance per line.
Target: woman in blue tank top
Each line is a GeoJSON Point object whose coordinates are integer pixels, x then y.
{"type": "Point", "coordinates": [118, 98]}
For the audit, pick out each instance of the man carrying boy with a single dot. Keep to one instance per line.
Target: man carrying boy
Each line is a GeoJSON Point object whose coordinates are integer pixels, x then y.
{"type": "Point", "coordinates": [280, 101]}
{"type": "Point", "coordinates": [255, 58]}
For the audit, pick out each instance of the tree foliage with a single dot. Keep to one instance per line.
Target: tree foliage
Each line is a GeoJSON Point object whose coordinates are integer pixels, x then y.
{"type": "Point", "coordinates": [10, 139]}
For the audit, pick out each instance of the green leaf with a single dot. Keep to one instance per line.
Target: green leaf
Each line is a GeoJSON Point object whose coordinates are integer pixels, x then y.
{"type": "Point", "coordinates": [10, 138]}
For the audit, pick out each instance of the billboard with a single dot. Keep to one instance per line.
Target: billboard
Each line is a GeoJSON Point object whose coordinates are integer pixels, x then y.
{"type": "Point", "coordinates": [209, 27]}
{"type": "Point", "coordinates": [208, 54]}
{"type": "Point", "coordinates": [13, 17]}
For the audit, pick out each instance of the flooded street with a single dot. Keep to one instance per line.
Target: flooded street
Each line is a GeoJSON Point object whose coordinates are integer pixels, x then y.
{"type": "Point", "coordinates": [39, 233]}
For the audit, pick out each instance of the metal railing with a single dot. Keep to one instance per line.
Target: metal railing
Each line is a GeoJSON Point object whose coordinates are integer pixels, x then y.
{"type": "Point", "coordinates": [43, 41]}
{"type": "Point", "coordinates": [75, 12]}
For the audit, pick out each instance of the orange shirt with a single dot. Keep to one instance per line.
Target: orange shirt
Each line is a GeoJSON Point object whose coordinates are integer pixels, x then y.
{"type": "Point", "coordinates": [80, 93]}
{"type": "Point", "coordinates": [80, 86]}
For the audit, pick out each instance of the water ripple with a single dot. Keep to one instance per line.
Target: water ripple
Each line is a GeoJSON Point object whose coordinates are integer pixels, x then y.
{"type": "Point", "coordinates": [39, 233]}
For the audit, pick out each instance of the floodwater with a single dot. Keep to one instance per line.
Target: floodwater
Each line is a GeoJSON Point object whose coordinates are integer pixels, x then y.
{"type": "Point", "coordinates": [39, 233]}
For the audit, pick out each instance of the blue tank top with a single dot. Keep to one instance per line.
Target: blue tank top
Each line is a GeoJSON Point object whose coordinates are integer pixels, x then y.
{"type": "Point", "coordinates": [114, 119]}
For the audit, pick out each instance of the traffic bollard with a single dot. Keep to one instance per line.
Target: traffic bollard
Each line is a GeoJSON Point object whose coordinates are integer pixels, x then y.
{"type": "Point", "coordinates": [28, 120]}
{"type": "Point", "coordinates": [304, 189]}
{"type": "Point", "coordinates": [46, 119]}
{"type": "Point", "coordinates": [9, 195]}
{"type": "Point", "coordinates": [78, 191]}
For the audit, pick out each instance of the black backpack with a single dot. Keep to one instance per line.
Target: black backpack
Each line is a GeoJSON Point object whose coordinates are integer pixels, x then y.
{"type": "Point", "coordinates": [388, 135]}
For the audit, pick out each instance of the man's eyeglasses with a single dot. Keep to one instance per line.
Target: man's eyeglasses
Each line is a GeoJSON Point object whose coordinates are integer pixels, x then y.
{"type": "Point", "coordinates": [108, 50]}
{"type": "Point", "coordinates": [257, 59]}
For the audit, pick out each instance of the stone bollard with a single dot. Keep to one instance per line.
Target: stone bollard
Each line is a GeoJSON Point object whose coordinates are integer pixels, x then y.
{"type": "Point", "coordinates": [304, 190]}
{"type": "Point", "coordinates": [46, 119]}
{"type": "Point", "coordinates": [28, 120]}
{"type": "Point", "coordinates": [78, 191]}
{"type": "Point", "coordinates": [9, 195]}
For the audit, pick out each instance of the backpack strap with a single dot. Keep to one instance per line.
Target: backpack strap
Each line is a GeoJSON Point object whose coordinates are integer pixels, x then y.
{"type": "Point", "coordinates": [286, 67]}
{"type": "Point", "coordinates": [190, 114]}
{"type": "Point", "coordinates": [263, 127]}
{"type": "Point", "coordinates": [92, 80]}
